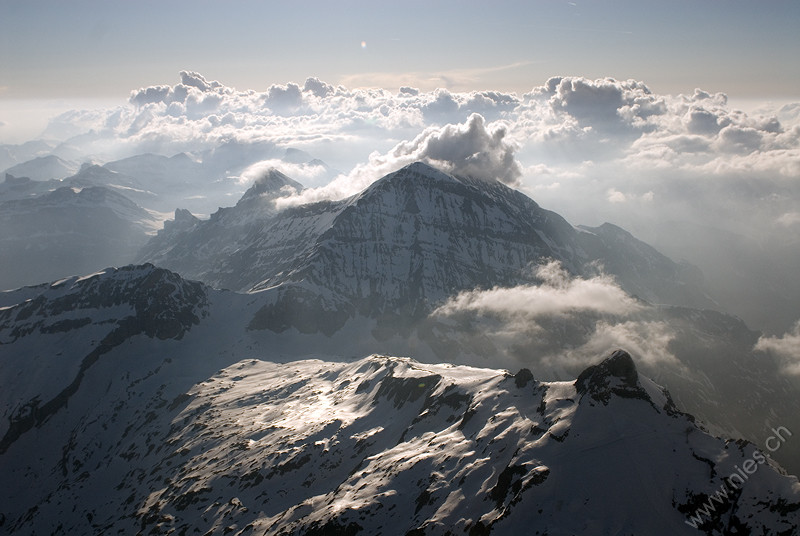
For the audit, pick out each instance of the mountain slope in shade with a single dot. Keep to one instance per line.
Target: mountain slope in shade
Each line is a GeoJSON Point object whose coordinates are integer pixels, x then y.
{"type": "Point", "coordinates": [205, 248]}
{"type": "Point", "coordinates": [13, 188]}
{"type": "Point", "coordinates": [53, 334]}
{"type": "Point", "coordinates": [380, 446]}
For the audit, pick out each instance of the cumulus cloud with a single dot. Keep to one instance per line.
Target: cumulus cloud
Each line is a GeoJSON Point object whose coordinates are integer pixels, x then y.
{"type": "Point", "coordinates": [193, 79]}
{"type": "Point", "coordinates": [471, 149]}
{"type": "Point", "coordinates": [562, 123]}
{"type": "Point", "coordinates": [786, 348]}
{"type": "Point", "coordinates": [318, 88]}
{"type": "Point", "coordinates": [288, 98]}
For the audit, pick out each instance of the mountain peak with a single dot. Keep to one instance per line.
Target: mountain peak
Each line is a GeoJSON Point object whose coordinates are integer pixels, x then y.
{"type": "Point", "coordinates": [417, 171]}
{"type": "Point", "coordinates": [271, 184]}
{"type": "Point", "coordinates": [421, 176]}
{"type": "Point", "coordinates": [616, 374]}
{"type": "Point", "coordinates": [421, 167]}
{"type": "Point", "coordinates": [182, 221]}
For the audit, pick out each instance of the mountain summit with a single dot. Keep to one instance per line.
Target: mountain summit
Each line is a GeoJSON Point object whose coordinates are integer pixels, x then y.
{"type": "Point", "coordinates": [269, 186]}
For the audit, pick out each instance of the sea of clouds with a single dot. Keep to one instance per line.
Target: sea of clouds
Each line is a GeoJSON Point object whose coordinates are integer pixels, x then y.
{"type": "Point", "coordinates": [586, 148]}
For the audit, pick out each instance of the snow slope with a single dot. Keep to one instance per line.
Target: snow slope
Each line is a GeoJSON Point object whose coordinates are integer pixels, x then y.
{"type": "Point", "coordinates": [378, 445]}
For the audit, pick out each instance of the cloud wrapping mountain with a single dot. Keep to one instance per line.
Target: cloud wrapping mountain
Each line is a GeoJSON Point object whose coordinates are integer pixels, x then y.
{"type": "Point", "coordinates": [538, 317]}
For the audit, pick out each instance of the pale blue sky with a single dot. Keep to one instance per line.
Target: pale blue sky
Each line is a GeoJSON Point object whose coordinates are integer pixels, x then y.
{"type": "Point", "coordinates": [103, 49]}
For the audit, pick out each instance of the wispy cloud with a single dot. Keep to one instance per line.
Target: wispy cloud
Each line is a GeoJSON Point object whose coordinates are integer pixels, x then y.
{"type": "Point", "coordinates": [557, 294]}
{"type": "Point", "coordinates": [452, 79]}
{"type": "Point", "coordinates": [785, 347]}
{"type": "Point", "coordinates": [562, 321]}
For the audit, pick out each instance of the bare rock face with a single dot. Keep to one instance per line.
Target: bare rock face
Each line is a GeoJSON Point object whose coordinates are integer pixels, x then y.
{"type": "Point", "coordinates": [616, 375]}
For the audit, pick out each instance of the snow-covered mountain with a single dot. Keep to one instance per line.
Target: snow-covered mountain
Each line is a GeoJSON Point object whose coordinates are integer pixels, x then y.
{"type": "Point", "coordinates": [68, 231]}
{"type": "Point", "coordinates": [407, 242]}
{"type": "Point", "coordinates": [198, 409]}
{"type": "Point", "coordinates": [131, 404]}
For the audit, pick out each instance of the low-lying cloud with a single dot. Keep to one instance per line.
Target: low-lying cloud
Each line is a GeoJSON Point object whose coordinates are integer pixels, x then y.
{"type": "Point", "coordinates": [557, 294]}
{"type": "Point", "coordinates": [562, 323]}
{"type": "Point", "coordinates": [647, 341]}
{"type": "Point", "coordinates": [785, 347]}
{"type": "Point", "coordinates": [302, 173]}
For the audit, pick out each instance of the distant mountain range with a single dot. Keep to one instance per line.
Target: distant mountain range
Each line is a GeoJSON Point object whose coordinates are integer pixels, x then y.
{"type": "Point", "coordinates": [67, 231]}
{"type": "Point", "coordinates": [47, 236]}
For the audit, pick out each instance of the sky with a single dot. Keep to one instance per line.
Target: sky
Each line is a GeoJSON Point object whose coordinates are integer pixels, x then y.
{"type": "Point", "coordinates": [99, 49]}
